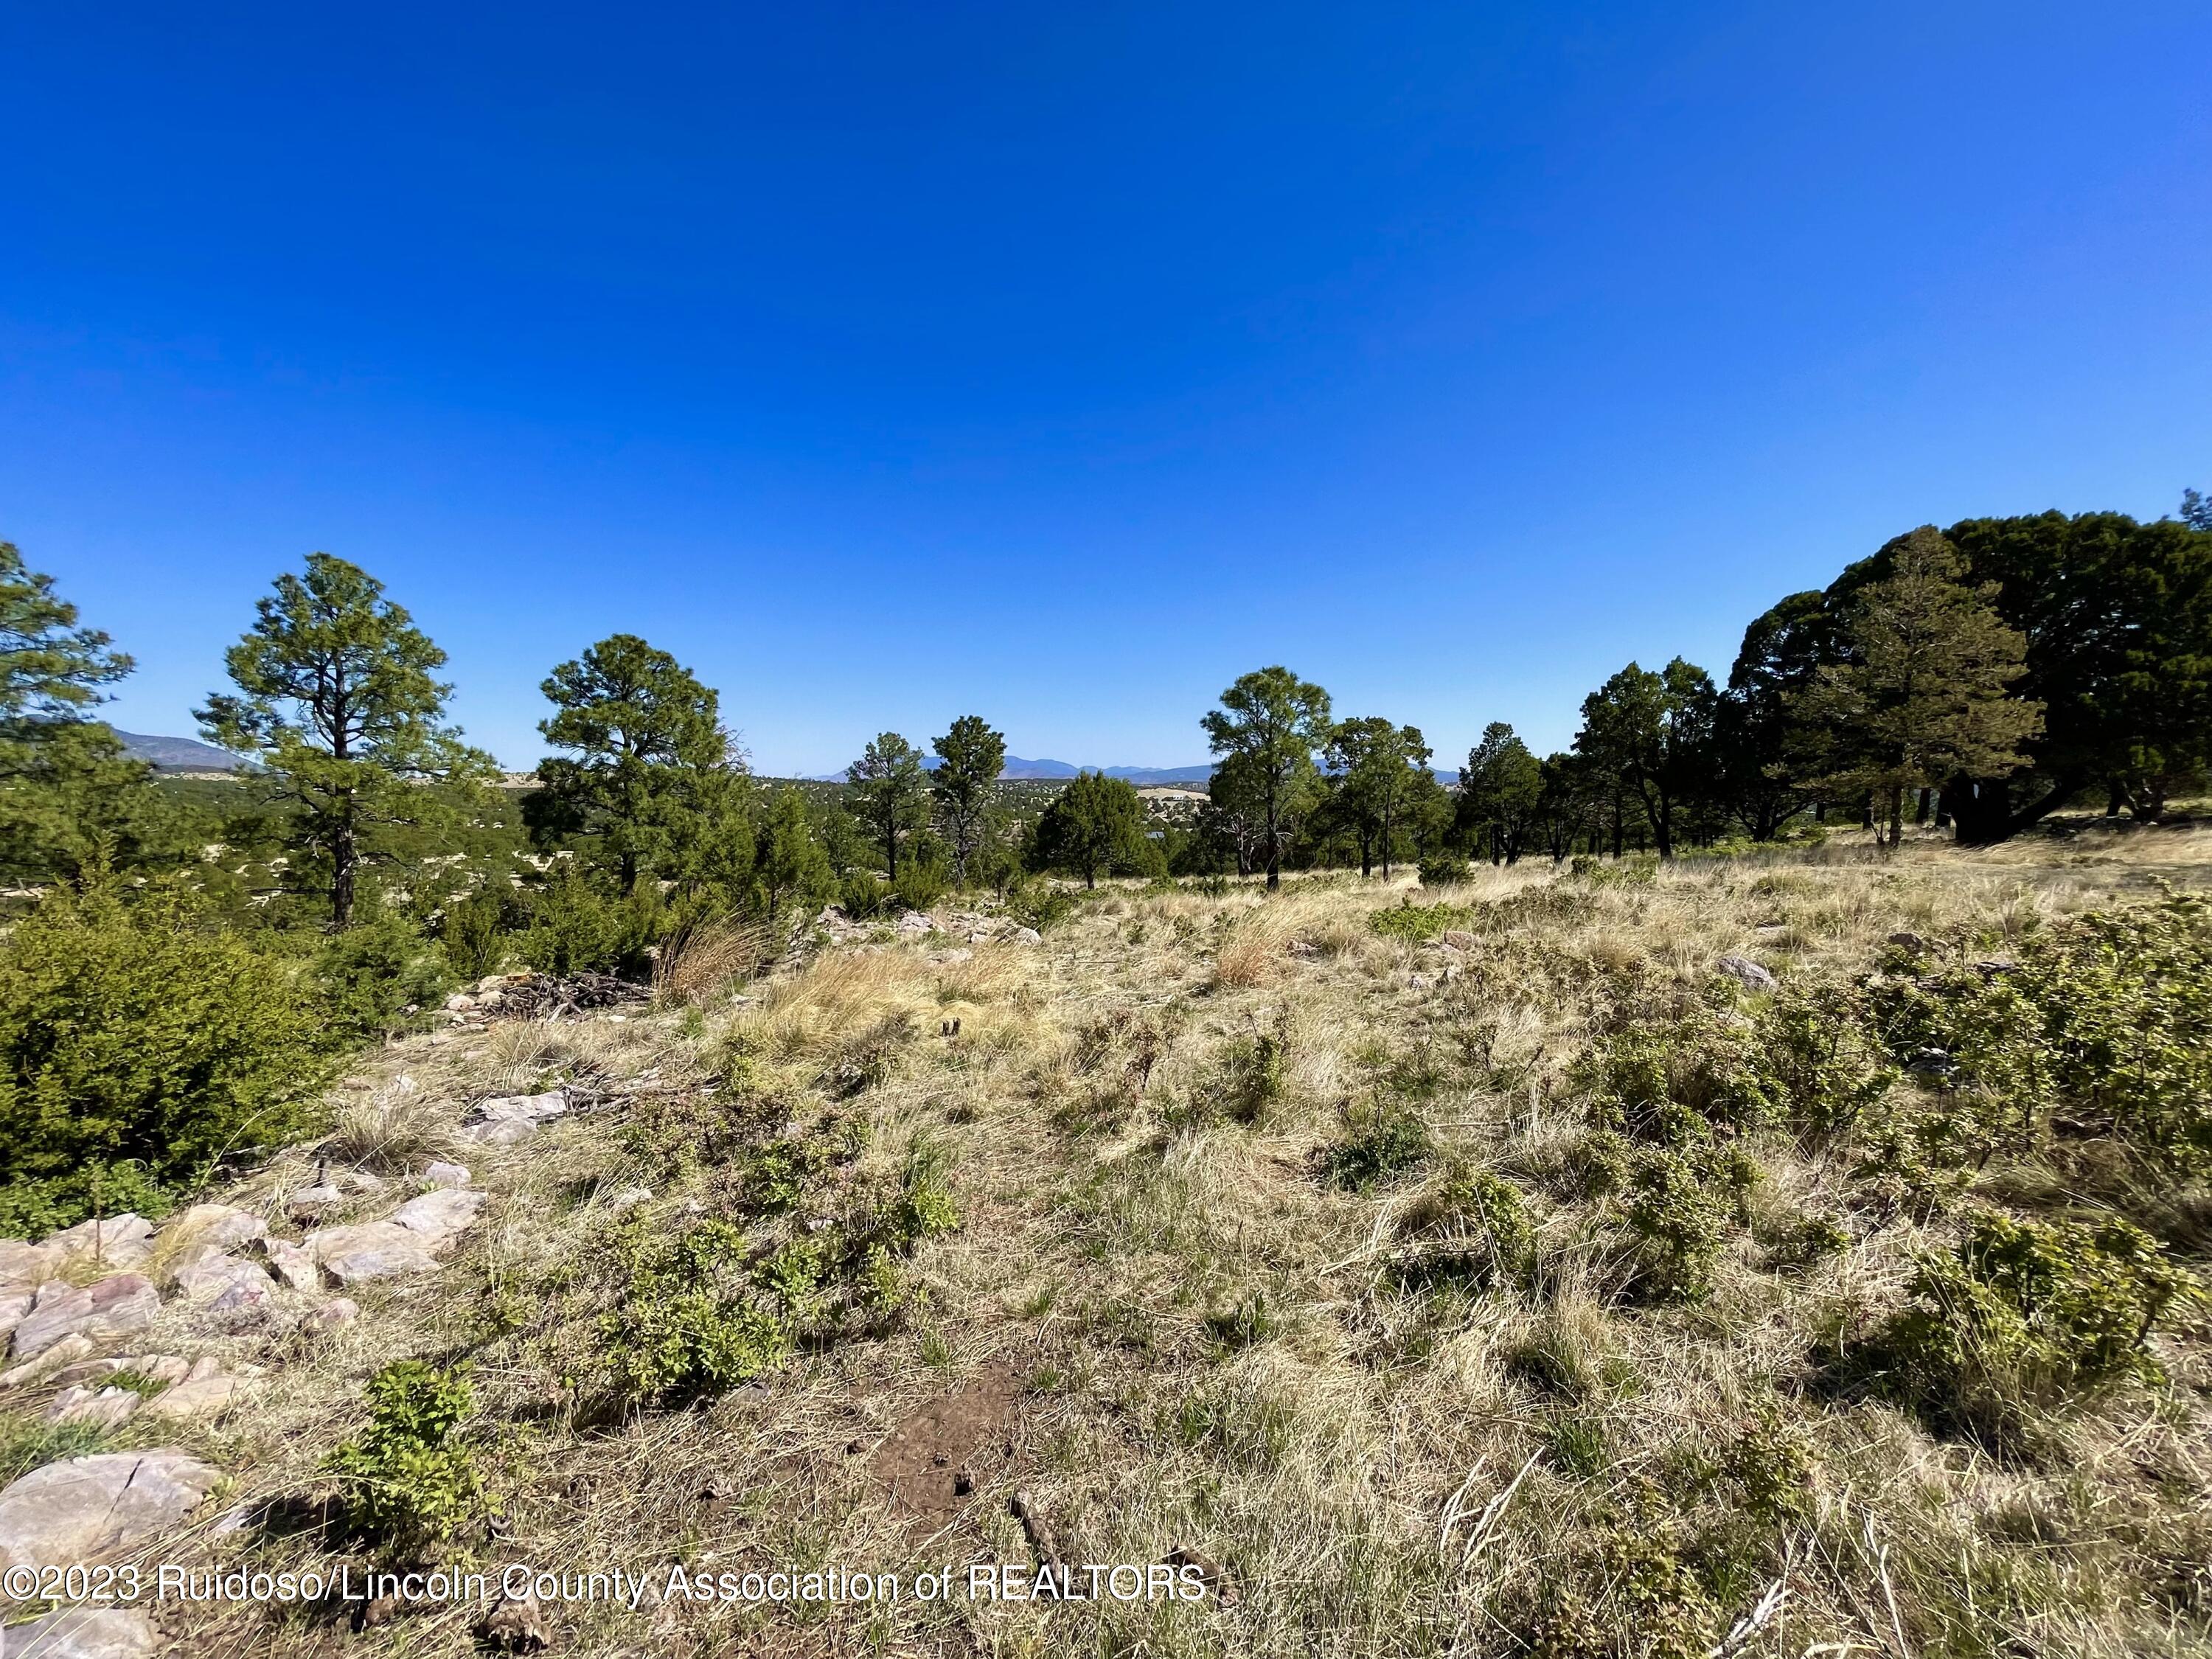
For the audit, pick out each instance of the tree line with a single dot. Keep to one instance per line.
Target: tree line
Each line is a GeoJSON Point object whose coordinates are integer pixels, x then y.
{"type": "Point", "coordinates": [1981, 678]}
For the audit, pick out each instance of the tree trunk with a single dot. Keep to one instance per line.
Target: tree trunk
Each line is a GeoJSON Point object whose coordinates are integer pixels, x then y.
{"type": "Point", "coordinates": [343, 860]}
{"type": "Point", "coordinates": [1984, 812]}
{"type": "Point", "coordinates": [1920, 809]}
{"type": "Point", "coordinates": [1896, 815]}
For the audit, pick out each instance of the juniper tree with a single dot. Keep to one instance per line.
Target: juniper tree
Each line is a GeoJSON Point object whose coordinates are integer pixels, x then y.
{"type": "Point", "coordinates": [1922, 693]}
{"type": "Point", "coordinates": [337, 696]}
{"type": "Point", "coordinates": [970, 757]}
{"type": "Point", "coordinates": [889, 793]}
{"type": "Point", "coordinates": [1094, 826]}
{"type": "Point", "coordinates": [1271, 722]}
{"type": "Point", "coordinates": [650, 777]}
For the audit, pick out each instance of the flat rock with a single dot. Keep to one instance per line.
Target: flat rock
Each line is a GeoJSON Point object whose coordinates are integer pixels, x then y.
{"type": "Point", "coordinates": [224, 1284]}
{"type": "Point", "coordinates": [509, 1118]}
{"type": "Point", "coordinates": [446, 1175]}
{"type": "Point", "coordinates": [121, 1241]}
{"type": "Point", "coordinates": [313, 1200]}
{"type": "Point", "coordinates": [13, 1304]}
{"type": "Point", "coordinates": [157, 1367]}
{"type": "Point", "coordinates": [115, 1306]}
{"type": "Point", "coordinates": [1460, 939]}
{"type": "Point", "coordinates": [200, 1398]}
{"type": "Point", "coordinates": [83, 1508]}
{"type": "Point", "coordinates": [439, 1214]}
{"type": "Point", "coordinates": [293, 1264]}
{"type": "Point", "coordinates": [221, 1225]}
{"type": "Point", "coordinates": [375, 1249]}
{"type": "Point", "coordinates": [83, 1633]}
{"type": "Point", "coordinates": [24, 1265]}
{"type": "Point", "coordinates": [1746, 973]}
{"type": "Point", "coordinates": [1028, 936]}
{"type": "Point", "coordinates": [108, 1407]}
{"type": "Point", "coordinates": [66, 1352]}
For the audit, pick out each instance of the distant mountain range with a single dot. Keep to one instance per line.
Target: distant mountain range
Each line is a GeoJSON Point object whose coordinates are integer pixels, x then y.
{"type": "Point", "coordinates": [177, 754]}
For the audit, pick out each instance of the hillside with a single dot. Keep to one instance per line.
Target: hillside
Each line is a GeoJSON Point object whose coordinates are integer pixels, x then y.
{"type": "Point", "coordinates": [1270, 1239]}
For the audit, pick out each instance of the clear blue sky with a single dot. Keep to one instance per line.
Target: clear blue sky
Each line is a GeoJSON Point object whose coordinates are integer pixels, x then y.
{"type": "Point", "coordinates": [1060, 362]}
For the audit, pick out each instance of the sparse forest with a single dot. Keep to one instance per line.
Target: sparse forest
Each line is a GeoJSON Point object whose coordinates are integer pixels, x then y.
{"type": "Point", "coordinates": [1742, 1174]}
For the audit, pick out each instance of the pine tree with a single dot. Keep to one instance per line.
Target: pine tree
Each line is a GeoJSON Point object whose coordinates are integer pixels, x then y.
{"type": "Point", "coordinates": [338, 699]}
{"type": "Point", "coordinates": [793, 871]}
{"type": "Point", "coordinates": [650, 776]}
{"type": "Point", "coordinates": [888, 787]}
{"type": "Point", "coordinates": [69, 795]}
{"type": "Point", "coordinates": [1375, 767]}
{"type": "Point", "coordinates": [1921, 695]}
{"type": "Point", "coordinates": [1499, 789]}
{"type": "Point", "coordinates": [1272, 721]}
{"type": "Point", "coordinates": [970, 758]}
{"type": "Point", "coordinates": [1652, 734]}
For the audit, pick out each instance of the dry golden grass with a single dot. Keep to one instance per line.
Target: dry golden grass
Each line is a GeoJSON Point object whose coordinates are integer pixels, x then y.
{"type": "Point", "coordinates": [1214, 1349]}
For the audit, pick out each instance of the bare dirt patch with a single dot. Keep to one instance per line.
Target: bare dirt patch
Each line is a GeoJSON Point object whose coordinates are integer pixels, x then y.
{"type": "Point", "coordinates": [929, 1464]}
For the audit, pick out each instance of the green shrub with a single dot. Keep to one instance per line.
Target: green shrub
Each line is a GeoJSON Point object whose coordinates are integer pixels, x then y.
{"type": "Point", "coordinates": [1661, 1084]}
{"type": "Point", "coordinates": [920, 884]}
{"type": "Point", "coordinates": [1679, 1214]}
{"type": "Point", "coordinates": [1474, 1228]}
{"type": "Point", "coordinates": [139, 1045]}
{"type": "Point", "coordinates": [470, 933]}
{"type": "Point", "coordinates": [1418, 923]}
{"type": "Point", "coordinates": [1040, 905]}
{"type": "Point", "coordinates": [693, 1319]}
{"type": "Point", "coordinates": [408, 1479]}
{"type": "Point", "coordinates": [1384, 1140]}
{"type": "Point", "coordinates": [570, 929]}
{"type": "Point", "coordinates": [1252, 1076]}
{"type": "Point", "coordinates": [1445, 869]}
{"type": "Point", "coordinates": [2024, 1312]}
{"type": "Point", "coordinates": [2105, 1019]}
{"type": "Point", "coordinates": [379, 976]}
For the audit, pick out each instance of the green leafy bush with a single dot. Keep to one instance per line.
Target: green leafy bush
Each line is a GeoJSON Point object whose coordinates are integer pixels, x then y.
{"type": "Point", "coordinates": [471, 934]}
{"type": "Point", "coordinates": [1445, 869]}
{"type": "Point", "coordinates": [408, 1479]}
{"type": "Point", "coordinates": [921, 884]}
{"type": "Point", "coordinates": [1418, 923]}
{"type": "Point", "coordinates": [1384, 1139]}
{"type": "Point", "coordinates": [2022, 1312]}
{"type": "Point", "coordinates": [1474, 1228]}
{"type": "Point", "coordinates": [2104, 1021]}
{"type": "Point", "coordinates": [139, 1045]}
{"type": "Point", "coordinates": [694, 1319]}
{"type": "Point", "coordinates": [379, 976]}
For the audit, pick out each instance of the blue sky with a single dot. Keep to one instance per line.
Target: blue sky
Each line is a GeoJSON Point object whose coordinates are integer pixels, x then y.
{"type": "Point", "coordinates": [1060, 363]}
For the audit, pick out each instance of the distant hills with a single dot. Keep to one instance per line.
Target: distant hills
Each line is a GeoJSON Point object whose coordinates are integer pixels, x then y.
{"type": "Point", "coordinates": [1142, 775]}
{"type": "Point", "coordinates": [177, 754]}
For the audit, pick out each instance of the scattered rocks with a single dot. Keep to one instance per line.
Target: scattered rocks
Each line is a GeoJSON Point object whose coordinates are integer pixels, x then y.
{"type": "Point", "coordinates": [121, 1241]}
{"type": "Point", "coordinates": [1211, 1573]}
{"type": "Point", "coordinates": [510, 1118]}
{"type": "Point", "coordinates": [309, 1202]}
{"type": "Point", "coordinates": [224, 1284]}
{"type": "Point", "coordinates": [23, 1266]}
{"type": "Point", "coordinates": [375, 1249]}
{"type": "Point", "coordinates": [82, 1633]}
{"type": "Point", "coordinates": [1027, 936]}
{"type": "Point", "coordinates": [629, 1199]}
{"type": "Point", "coordinates": [911, 924]}
{"type": "Point", "coordinates": [115, 1306]}
{"type": "Point", "coordinates": [108, 1408]}
{"type": "Point", "coordinates": [446, 1175]}
{"type": "Point", "coordinates": [1911, 942]}
{"type": "Point", "coordinates": [437, 1215]}
{"type": "Point", "coordinates": [538, 996]}
{"type": "Point", "coordinates": [1748, 974]}
{"type": "Point", "coordinates": [81, 1508]}
{"type": "Point", "coordinates": [1458, 938]}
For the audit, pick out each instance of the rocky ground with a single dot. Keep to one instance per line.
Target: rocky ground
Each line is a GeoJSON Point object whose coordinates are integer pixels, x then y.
{"type": "Point", "coordinates": [1155, 1334]}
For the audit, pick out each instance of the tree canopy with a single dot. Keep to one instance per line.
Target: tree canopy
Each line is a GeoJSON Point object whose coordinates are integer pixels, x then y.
{"type": "Point", "coordinates": [1272, 721]}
